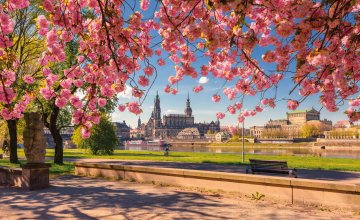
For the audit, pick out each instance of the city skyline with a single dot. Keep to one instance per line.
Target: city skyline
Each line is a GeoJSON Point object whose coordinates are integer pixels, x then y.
{"type": "Point", "coordinates": [205, 110]}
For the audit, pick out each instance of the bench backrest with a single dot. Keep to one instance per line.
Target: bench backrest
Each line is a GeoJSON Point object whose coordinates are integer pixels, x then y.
{"type": "Point", "coordinates": [268, 164]}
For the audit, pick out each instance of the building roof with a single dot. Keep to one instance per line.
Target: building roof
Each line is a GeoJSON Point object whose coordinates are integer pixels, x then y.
{"type": "Point", "coordinates": [226, 134]}
{"type": "Point", "coordinates": [303, 111]}
{"type": "Point", "coordinates": [189, 131]}
{"type": "Point", "coordinates": [121, 125]}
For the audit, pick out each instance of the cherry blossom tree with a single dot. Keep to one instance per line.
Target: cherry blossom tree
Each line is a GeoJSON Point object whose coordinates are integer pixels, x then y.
{"type": "Point", "coordinates": [20, 47]}
{"type": "Point", "coordinates": [320, 38]}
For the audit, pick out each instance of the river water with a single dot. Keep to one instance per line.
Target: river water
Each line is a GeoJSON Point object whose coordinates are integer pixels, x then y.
{"type": "Point", "coordinates": [303, 151]}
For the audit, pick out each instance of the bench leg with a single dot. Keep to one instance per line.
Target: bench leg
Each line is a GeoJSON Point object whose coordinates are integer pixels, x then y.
{"type": "Point", "coordinates": [293, 173]}
{"type": "Point", "coordinates": [249, 170]}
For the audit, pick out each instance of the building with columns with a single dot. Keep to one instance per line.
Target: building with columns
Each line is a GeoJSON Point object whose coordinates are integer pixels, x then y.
{"type": "Point", "coordinates": [169, 126]}
{"type": "Point", "coordinates": [291, 126]}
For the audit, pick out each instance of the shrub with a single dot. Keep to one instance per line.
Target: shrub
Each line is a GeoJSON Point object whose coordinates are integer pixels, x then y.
{"type": "Point", "coordinates": [102, 141]}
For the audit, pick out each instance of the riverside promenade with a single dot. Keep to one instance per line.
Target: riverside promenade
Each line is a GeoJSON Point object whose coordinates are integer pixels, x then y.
{"type": "Point", "coordinates": [324, 188]}
{"type": "Point", "coordinates": [344, 177]}
{"type": "Point", "coordinates": [73, 197]}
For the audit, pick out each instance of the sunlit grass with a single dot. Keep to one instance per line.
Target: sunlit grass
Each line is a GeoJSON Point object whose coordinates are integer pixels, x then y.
{"type": "Point", "coordinates": [306, 162]}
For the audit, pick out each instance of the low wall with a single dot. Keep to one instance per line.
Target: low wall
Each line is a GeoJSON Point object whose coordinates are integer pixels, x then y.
{"type": "Point", "coordinates": [337, 142]}
{"type": "Point", "coordinates": [29, 176]}
{"type": "Point", "coordinates": [11, 176]}
{"type": "Point", "coordinates": [284, 140]}
{"type": "Point", "coordinates": [290, 190]}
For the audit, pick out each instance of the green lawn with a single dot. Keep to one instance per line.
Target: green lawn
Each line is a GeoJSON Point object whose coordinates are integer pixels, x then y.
{"type": "Point", "coordinates": [67, 168]}
{"type": "Point", "coordinates": [308, 162]}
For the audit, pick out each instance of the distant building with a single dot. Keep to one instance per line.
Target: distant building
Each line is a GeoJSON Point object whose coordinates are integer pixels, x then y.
{"type": "Point", "coordinates": [291, 126]}
{"type": "Point", "coordinates": [65, 134]}
{"type": "Point", "coordinates": [170, 125]}
{"type": "Point", "coordinates": [343, 124]}
{"type": "Point", "coordinates": [189, 134]}
{"type": "Point", "coordinates": [122, 130]}
{"type": "Point", "coordinates": [222, 136]}
{"type": "Point", "coordinates": [136, 134]}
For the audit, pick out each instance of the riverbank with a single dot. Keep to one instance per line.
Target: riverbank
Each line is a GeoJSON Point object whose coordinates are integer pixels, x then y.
{"type": "Point", "coordinates": [260, 145]}
{"type": "Point", "coordinates": [304, 162]}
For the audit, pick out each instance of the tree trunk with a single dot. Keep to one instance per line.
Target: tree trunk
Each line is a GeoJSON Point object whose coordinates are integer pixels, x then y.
{"type": "Point", "coordinates": [13, 141]}
{"type": "Point", "coordinates": [55, 133]}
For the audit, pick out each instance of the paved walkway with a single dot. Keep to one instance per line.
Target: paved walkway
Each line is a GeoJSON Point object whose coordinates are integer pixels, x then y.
{"type": "Point", "coordinates": [339, 176]}
{"type": "Point", "coordinates": [72, 197]}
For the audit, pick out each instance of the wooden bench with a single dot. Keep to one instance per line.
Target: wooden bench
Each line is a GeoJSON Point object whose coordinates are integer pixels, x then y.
{"type": "Point", "coordinates": [270, 166]}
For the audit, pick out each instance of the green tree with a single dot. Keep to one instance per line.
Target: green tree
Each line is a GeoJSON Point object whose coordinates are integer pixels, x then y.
{"type": "Point", "coordinates": [309, 130]}
{"type": "Point", "coordinates": [234, 138]}
{"type": "Point", "coordinates": [103, 139]}
{"type": "Point", "coordinates": [25, 51]}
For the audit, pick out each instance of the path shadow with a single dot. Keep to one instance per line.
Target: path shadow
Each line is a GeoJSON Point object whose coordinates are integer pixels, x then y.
{"type": "Point", "coordinates": [71, 195]}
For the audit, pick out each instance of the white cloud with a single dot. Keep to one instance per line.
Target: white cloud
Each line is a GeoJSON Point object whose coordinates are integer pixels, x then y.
{"type": "Point", "coordinates": [127, 94]}
{"type": "Point", "coordinates": [170, 111]}
{"type": "Point", "coordinates": [203, 80]}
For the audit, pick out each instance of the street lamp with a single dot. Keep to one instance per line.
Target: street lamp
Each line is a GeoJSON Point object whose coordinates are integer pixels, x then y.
{"type": "Point", "coordinates": [243, 142]}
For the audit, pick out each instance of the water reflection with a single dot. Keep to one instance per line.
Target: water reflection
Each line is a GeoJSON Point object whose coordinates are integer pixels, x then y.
{"type": "Point", "coordinates": [330, 153]}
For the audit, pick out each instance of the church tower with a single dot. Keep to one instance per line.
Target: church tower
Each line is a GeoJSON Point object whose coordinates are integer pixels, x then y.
{"type": "Point", "coordinates": [157, 111]}
{"type": "Point", "coordinates": [139, 123]}
{"type": "Point", "coordinates": [188, 110]}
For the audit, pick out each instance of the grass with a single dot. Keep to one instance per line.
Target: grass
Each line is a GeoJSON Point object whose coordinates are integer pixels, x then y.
{"type": "Point", "coordinates": [306, 162]}
{"type": "Point", "coordinates": [55, 169]}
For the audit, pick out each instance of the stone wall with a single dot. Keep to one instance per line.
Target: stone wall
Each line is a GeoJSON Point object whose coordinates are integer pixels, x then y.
{"type": "Point", "coordinates": [30, 177]}
{"type": "Point", "coordinates": [11, 176]}
{"type": "Point", "coordinates": [289, 190]}
{"type": "Point", "coordinates": [337, 142]}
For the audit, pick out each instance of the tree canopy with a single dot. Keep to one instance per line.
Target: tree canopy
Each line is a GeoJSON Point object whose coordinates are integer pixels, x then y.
{"type": "Point", "coordinates": [103, 139]}
{"type": "Point", "coordinates": [320, 38]}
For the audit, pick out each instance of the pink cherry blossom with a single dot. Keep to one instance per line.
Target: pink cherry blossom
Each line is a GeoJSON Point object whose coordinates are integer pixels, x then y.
{"type": "Point", "coordinates": [29, 79]}
{"type": "Point", "coordinates": [198, 88]}
{"type": "Point", "coordinates": [143, 81]}
{"type": "Point", "coordinates": [216, 98]}
{"type": "Point", "coordinates": [85, 133]}
{"type": "Point", "coordinates": [144, 4]}
{"type": "Point", "coordinates": [161, 62]}
{"type": "Point", "coordinates": [148, 71]}
{"type": "Point", "coordinates": [121, 108]}
{"type": "Point", "coordinates": [292, 104]}
{"type": "Point", "coordinates": [101, 102]}
{"type": "Point", "coordinates": [220, 115]}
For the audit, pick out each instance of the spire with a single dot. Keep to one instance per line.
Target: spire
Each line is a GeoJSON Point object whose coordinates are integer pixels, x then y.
{"type": "Point", "coordinates": [157, 110]}
{"type": "Point", "coordinates": [188, 110]}
{"type": "Point", "coordinates": [139, 123]}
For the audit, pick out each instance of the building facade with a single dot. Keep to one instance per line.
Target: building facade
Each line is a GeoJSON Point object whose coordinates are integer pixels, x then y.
{"type": "Point", "coordinates": [169, 126]}
{"type": "Point", "coordinates": [122, 130]}
{"type": "Point", "coordinates": [291, 126]}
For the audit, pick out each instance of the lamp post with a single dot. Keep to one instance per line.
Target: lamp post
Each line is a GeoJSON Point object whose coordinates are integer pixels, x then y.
{"type": "Point", "coordinates": [243, 142]}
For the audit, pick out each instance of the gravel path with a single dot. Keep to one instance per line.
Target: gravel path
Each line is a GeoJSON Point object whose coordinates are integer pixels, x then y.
{"type": "Point", "coordinates": [72, 197]}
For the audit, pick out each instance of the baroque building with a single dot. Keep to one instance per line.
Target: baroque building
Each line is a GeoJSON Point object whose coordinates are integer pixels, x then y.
{"type": "Point", "coordinates": [291, 126]}
{"type": "Point", "coordinates": [169, 126]}
{"type": "Point", "coordinates": [122, 130]}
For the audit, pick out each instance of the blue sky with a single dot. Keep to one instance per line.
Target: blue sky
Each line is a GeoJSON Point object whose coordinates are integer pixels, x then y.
{"type": "Point", "coordinates": [203, 108]}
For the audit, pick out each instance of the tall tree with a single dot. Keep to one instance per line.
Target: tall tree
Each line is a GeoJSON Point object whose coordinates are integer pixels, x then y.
{"type": "Point", "coordinates": [312, 42]}
{"type": "Point", "coordinates": [103, 138]}
{"type": "Point", "coordinates": [20, 48]}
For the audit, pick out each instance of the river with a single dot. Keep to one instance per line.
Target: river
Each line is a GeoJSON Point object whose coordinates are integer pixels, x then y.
{"type": "Point", "coordinates": [285, 151]}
